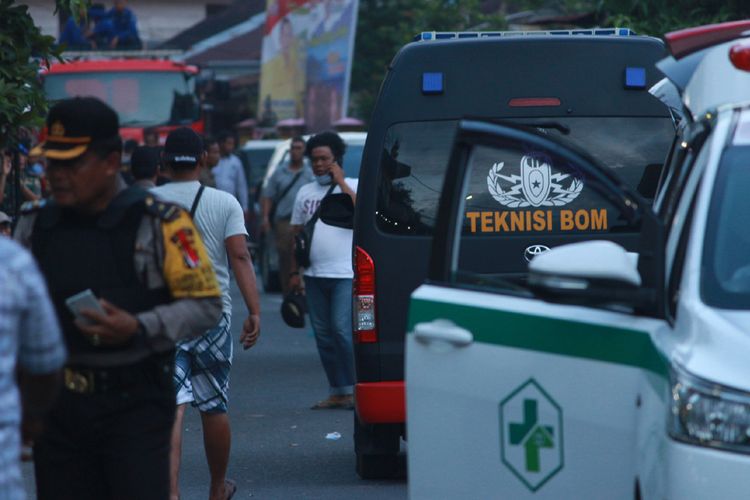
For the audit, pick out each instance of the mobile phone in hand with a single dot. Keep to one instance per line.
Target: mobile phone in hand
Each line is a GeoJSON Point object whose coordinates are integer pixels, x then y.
{"type": "Point", "coordinates": [84, 300]}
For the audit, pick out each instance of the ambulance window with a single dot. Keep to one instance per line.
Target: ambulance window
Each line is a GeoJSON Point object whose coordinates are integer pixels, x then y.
{"type": "Point", "coordinates": [725, 270]}
{"type": "Point", "coordinates": [517, 202]}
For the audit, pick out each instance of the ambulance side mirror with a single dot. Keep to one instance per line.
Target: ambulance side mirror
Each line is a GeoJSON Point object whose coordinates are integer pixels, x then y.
{"type": "Point", "coordinates": [588, 273]}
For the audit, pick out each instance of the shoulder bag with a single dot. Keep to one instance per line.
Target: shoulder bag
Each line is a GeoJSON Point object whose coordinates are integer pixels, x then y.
{"type": "Point", "coordinates": [196, 200]}
{"type": "Point", "coordinates": [303, 239]}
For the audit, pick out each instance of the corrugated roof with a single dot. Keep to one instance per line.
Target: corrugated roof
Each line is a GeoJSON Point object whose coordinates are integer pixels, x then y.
{"type": "Point", "coordinates": [236, 13]}
{"type": "Point", "coordinates": [244, 47]}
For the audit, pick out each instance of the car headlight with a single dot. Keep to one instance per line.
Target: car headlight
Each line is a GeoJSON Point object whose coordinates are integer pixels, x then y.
{"type": "Point", "coordinates": [708, 414]}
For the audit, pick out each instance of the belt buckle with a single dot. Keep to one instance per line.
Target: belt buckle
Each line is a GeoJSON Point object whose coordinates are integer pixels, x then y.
{"type": "Point", "coordinates": [79, 381]}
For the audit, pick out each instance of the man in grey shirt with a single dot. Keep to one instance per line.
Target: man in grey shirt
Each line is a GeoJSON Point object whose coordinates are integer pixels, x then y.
{"type": "Point", "coordinates": [278, 197]}
{"type": "Point", "coordinates": [229, 173]}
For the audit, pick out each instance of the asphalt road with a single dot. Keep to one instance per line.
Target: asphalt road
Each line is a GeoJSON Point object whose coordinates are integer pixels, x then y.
{"type": "Point", "coordinates": [279, 445]}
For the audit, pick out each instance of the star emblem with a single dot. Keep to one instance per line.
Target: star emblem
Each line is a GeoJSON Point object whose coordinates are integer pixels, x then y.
{"type": "Point", "coordinates": [57, 129]}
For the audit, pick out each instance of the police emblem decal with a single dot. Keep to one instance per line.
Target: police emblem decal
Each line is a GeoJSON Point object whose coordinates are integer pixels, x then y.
{"type": "Point", "coordinates": [535, 180]}
{"type": "Point", "coordinates": [57, 129]}
{"type": "Point", "coordinates": [184, 240]}
{"type": "Point", "coordinates": [535, 185]}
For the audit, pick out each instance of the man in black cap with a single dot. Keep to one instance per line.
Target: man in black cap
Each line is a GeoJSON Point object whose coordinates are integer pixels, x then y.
{"type": "Point", "coordinates": [144, 166]}
{"type": "Point", "coordinates": [203, 364]}
{"type": "Point", "coordinates": [108, 435]}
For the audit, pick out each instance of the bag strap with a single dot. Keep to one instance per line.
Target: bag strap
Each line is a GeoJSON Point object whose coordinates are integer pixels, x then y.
{"type": "Point", "coordinates": [196, 200]}
{"type": "Point", "coordinates": [316, 215]}
{"type": "Point", "coordinates": [289, 186]}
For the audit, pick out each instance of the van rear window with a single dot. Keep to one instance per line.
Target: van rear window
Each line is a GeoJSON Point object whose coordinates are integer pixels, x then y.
{"type": "Point", "coordinates": [415, 157]}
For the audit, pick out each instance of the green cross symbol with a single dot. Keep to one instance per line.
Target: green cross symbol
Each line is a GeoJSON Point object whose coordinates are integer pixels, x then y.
{"type": "Point", "coordinates": [533, 437]}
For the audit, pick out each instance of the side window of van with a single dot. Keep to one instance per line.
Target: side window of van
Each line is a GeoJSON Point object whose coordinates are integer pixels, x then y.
{"type": "Point", "coordinates": [412, 168]}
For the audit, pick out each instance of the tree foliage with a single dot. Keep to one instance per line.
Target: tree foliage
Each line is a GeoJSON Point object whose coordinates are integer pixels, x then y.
{"type": "Point", "coordinates": [650, 17]}
{"type": "Point", "coordinates": [22, 47]}
{"type": "Point", "coordinates": [384, 26]}
{"type": "Point", "coordinates": [656, 17]}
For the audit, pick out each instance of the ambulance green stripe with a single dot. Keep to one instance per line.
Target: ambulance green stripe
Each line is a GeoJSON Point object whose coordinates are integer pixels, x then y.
{"type": "Point", "coordinates": [540, 333]}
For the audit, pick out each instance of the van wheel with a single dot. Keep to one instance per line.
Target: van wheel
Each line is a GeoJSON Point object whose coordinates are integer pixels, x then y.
{"type": "Point", "coordinates": [377, 450]}
{"type": "Point", "coordinates": [270, 278]}
{"type": "Point", "coordinates": [381, 466]}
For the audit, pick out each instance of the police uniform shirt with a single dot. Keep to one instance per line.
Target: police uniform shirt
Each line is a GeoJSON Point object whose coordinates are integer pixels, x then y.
{"type": "Point", "coordinates": [168, 253]}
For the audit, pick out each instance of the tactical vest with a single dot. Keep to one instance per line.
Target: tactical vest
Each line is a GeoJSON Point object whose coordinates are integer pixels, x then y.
{"type": "Point", "coordinates": [77, 251]}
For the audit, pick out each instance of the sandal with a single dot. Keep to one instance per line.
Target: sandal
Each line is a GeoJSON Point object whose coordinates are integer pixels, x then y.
{"type": "Point", "coordinates": [230, 488]}
{"type": "Point", "coordinates": [335, 403]}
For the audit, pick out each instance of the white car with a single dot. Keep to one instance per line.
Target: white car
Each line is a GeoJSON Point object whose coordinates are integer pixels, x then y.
{"type": "Point", "coordinates": [256, 155]}
{"type": "Point", "coordinates": [269, 261]}
{"type": "Point", "coordinates": [602, 374]}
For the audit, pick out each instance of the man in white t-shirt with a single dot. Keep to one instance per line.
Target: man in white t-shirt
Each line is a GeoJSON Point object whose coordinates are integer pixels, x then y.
{"type": "Point", "coordinates": [328, 280]}
{"type": "Point", "coordinates": [202, 364]}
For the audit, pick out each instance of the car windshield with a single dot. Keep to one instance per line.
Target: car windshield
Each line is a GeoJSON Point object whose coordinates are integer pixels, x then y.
{"type": "Point", "coordinates": [415, 156]}
{"type": "Point", "coordinates": [257, 162]}
{"type": "Point", "coordinates": [141, 99]}
{"type": "Point", "coordinates": [725, 273]}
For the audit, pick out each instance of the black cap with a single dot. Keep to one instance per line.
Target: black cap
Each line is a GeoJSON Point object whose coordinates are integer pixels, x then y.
{"type": "Point", "coordinates": [293, 309]}
{"type": "Point", "coordinates": [73, 125]}
{"type": "Point", "coordinates": [183, 146]}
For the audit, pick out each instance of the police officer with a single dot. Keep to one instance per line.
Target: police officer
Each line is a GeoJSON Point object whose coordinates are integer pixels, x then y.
{"type": "Point", "coordinates": [108, 435]}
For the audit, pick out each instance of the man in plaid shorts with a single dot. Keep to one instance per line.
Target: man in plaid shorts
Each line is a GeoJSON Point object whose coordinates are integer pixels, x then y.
{"type": "Point", "coordinates": [202, 364]}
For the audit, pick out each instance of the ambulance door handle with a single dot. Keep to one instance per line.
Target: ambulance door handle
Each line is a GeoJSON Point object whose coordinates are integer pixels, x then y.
{"type": "Point", "coordinates": [443, 331]}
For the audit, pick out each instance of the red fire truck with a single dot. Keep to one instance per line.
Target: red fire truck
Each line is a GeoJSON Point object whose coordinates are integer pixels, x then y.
{"type": "Point", "coordinates": [147, 89]}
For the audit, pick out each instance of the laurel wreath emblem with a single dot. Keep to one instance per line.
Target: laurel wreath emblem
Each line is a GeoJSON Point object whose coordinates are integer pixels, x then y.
{"type": "Point", "coordinates": [515, 197]}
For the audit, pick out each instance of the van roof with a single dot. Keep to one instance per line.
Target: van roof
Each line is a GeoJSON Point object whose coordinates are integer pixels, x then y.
{"type": "Point", "coordinates": [451, 35]}
{"type": "Point", "coordinates": [481, 75]}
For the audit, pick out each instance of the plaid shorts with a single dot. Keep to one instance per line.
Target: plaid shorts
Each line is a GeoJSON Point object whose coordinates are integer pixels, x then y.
{"type": "Point", "coordinates": [201, 375]}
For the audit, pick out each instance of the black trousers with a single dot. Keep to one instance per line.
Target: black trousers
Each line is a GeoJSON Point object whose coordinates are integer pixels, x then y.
{"type": "Point", "coordinates": [110, 445]}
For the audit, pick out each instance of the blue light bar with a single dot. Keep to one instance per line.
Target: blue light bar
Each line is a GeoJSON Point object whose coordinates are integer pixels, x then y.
{"type": "Point", "coordinates": [427, 36]}
{"type": "Point", "coordinates": [432, 83]}
{"type": "Point", "coordinates": [635, 78]}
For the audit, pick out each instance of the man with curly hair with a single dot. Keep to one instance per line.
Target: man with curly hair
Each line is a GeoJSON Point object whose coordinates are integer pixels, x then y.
{"type": "Point", "coordinates": [328, 278]}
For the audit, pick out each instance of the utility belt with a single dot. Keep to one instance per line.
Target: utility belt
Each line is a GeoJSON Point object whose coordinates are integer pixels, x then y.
{"type": "Point", "coordinates": [153, 373]}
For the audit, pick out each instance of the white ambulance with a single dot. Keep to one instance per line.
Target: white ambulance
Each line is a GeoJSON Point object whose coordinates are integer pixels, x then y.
{"type": "Point", "coordinates": [601, 373]}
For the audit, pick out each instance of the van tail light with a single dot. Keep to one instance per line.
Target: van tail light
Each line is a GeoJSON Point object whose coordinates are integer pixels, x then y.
{"type": "Point", "coordinates": [740, 56]}
{"type": "Point", "coordinates": [364, 298]}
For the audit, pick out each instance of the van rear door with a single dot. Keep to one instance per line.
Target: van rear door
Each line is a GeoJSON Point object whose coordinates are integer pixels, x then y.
{"type": "Point", "coordinates": [584, 80]}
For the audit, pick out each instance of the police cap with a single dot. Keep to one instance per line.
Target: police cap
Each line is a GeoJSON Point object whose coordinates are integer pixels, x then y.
{"type": "Point", "coordinates": [74, 125]}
